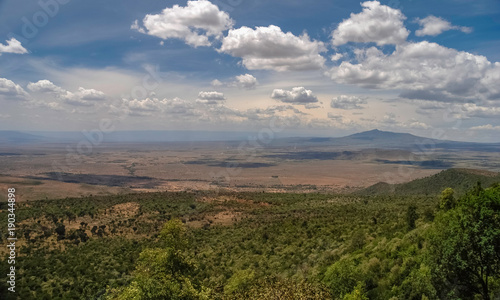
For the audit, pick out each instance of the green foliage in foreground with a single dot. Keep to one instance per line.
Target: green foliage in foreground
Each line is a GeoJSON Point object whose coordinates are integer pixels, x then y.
{"type": "Point", "coordinates": [164, 273]}
{"type": "Point", "coordinates": [271, 246]}
{"type": "Point", "coordinates": [466, 245]}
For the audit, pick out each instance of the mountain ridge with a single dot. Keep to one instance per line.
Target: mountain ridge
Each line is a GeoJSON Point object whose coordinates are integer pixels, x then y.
{"type": "Point", "coordinates": [368, 139]}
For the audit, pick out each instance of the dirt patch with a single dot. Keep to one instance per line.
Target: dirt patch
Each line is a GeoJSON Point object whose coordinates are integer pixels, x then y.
{"type": "Point", "coordinates": [128, 209]}
{"type": "Point", "coordinates": [228, 198]}
{"type": "Point", "coordinates": [223, 218]}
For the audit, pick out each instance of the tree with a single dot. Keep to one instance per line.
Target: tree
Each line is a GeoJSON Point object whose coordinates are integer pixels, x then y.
{"type": "Point", "coordinates": [465, 244]}
{"type": "Point", "coordinates": [447, 199]}
{"type": "Point", "coordinates": [164, 273]}
{"type": "Point", "coordinates": [358, 293]}
{"type": "Point", "coordinates": [411, 217]}
{"type": "Point", "coordinates": [61, 231]}
{"type": "Point", "coordinates": [342, 277]}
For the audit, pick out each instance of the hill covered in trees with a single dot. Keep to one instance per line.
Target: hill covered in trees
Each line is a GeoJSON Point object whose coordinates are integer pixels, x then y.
{"type": "Point", "coordinates": [227, 245]}
{"type": "Point", "coordinates": [460, 180]}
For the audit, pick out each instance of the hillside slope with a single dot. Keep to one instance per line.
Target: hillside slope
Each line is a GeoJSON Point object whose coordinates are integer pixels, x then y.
{"type": "Point", "coordinates": [459, 179]}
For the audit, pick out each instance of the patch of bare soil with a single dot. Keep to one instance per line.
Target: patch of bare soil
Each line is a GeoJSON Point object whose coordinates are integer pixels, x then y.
{"type": "Point", "coordinates": [223, 218]}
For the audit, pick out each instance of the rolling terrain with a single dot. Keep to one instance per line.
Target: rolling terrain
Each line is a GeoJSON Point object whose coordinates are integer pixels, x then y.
{"type": "Point", "coordinates": [460, 180]}
{"type": "Point", "coordinates": [48, 165]}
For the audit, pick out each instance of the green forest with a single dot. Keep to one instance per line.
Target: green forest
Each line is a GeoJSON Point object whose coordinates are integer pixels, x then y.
{"type": "Point", "coordinates": [251, 245]}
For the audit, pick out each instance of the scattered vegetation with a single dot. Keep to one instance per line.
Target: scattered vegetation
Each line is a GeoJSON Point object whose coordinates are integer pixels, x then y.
{"type": "Point", "coordinates": [227, 245]}
{"type": "Point", "coordinates": [460, 180]}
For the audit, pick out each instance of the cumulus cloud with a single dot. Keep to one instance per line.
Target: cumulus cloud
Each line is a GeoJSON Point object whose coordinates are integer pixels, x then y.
{"type": "Point", "coordinates": [427, 69]}
{"type": "Point", "coordinates": [269, 48]}
{"type": "Point", "coordinates": [45, 86]}
{"type": "Point", "coordinates": [210, 97]}
{"type": "Point", "coordinates": [433, 26]}
{"type": "Point", "coordinates": [136, 26]}
{"type": "Point", "coordinates": [82, 97]}
{"type": "Point", "coordinates": [90, 94]}
{"type": "Point", "coordinates": [175, 108]}
{"type": "Point", "coordinates": [486, 127]}
{"type": "Point", "coordinates": [472, 110]}
{"type": "Point", "coordinates": [244, 81]}
{"type": "Point", "coordinates": [389, 119]}
{"type": "Point", "coordinates": [377, 23]}
{"type": "Point", "coordinates": [144, 107]}
{"type": "Point", "coordinates": [347, 102]}
{"type": "Point", "coordinates": [195, 23]}
{"type": "Point", "coordinates": [414, 124]}
{"type": "Point", "coordinates": [11, 90]}
{"type": "Point", "coordinates": [489, 82]}
{"type": "Point", "coordinates": [216, 83]}
{"type": "Point", "coordinates": [178, 109]}
{"type": "Point", "coordinates": [13, 46]}
{"type": "Point", "coordinates": [298, 95]}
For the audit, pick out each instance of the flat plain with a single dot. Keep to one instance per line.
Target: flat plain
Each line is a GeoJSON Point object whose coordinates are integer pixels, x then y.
{"type": "Point", "coordinates": [50, 170]}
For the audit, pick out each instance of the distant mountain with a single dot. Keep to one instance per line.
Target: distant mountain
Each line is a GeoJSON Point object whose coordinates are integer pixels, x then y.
{"type": "Point", "coordinates": [392, 140]}
{"type": "Point", "coordinates": [461, 180]}
{"type": "Point", "coordinates": [373, 139]}
{"type": "Point", "coordinates": [17, 137]}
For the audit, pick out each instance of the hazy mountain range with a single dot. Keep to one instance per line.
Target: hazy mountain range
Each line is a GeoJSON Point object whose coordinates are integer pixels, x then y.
{"type": "Point", "coordinates": [367, 139]}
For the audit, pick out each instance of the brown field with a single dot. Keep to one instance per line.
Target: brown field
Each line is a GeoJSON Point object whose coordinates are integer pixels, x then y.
{"type": "Point", "coordinates": [49, 171]}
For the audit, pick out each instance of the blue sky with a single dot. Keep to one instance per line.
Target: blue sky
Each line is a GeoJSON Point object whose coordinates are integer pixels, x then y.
{"type": "Point", "coordinates": [414, 66]}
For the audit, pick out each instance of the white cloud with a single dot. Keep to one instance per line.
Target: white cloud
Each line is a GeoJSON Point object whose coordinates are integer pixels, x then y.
{"type": "Point", "coordinates": [246, 81]}
{"type": "Point", "coordinates": [433, 26]}
{"type": "Point", "coordinates": [423, 70]}
{"type": "Point", "coordinates": [336, 56]}
{"type": "Point", "coordinates": [210, 97]}
{"type": "Point", "coordinates": [389, 119]}
{"type": "Point", "coordinates": [216, 83]}
{"type": "Point", "coordinates": [197, 112]}
{"type": "Point", "coordinates": [417, 125]}
{"type": "Point", "coordinates": [135, 26]}
{"type": "Point", "coordinates": [486, 127]}
{"type": "Point", "coordinates": [269, 48]}
{"type": "Point", "coordinates": [274, 110]}
{"type": "Point", "coordinates": [73, 99]}
{"type": "Point", "coordinates": [90, 94]}
{"type": "Point", "coordinates": [45, 86]}
{"type": "Point", "coordinates": [347, 102]}
{"type": "Point", "coordinates": [471, 110]}
{"type": "Point", "coordinates": [11, 90]}
{"type": "Point", "coordinates": [298, 95]}
{"type": "Point", "coordinates": [195, 23]}
{"type": "Point", "coordinates": [144, 106]}
{"type": "Point", "coordinates": [175, 108]}
{"type": "Point", "coordinates": [489, 83]}
{"type": "Point", "coordinates": [178, 106]}
{"type": "Point", "coordinates": [79, 98]}
{"type": "Point", "coordinates": [13, 46]}
{"type": "Point", "coordinates": [377, 23]}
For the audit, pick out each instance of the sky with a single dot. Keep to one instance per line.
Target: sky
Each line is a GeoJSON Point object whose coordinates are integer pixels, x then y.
{"type": "Point", "coordinates": [315, 68]}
